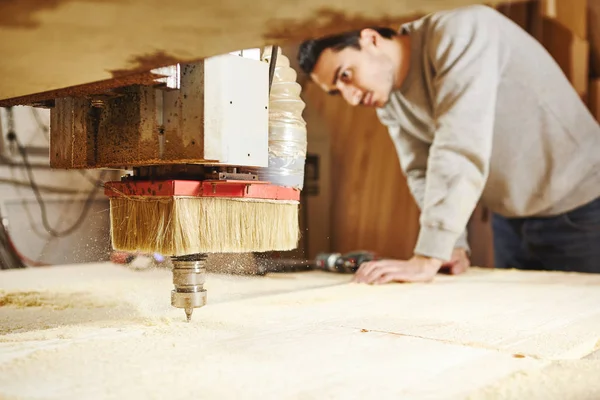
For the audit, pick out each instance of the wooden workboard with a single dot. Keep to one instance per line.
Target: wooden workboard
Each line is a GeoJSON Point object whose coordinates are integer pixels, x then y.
{"type": "Point", "coordinates": [102, 331]}
{"type": "Point", "coordinates": [52, 44]}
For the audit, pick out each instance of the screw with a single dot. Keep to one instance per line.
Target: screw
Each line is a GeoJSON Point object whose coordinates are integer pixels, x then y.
{"type": "Point", "coordinates": [98, 103]}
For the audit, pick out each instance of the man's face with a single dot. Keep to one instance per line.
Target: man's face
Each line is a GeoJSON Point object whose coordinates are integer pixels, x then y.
{"type": "Point", "coordinates": [363, 77]}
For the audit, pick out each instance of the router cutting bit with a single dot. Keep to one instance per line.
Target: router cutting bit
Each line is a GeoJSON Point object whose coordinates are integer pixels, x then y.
{"type": "Point", "coordinates": [188, 279]}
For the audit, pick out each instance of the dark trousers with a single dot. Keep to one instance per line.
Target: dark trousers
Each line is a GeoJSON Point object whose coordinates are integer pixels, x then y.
{"type": "Point", "coordinates": [566, 242]}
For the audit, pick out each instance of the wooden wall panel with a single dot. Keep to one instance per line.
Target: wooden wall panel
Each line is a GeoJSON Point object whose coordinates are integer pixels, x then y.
{"type": "Point", "coordinates": [518, 12]}
{"type": "Point", "coordinates": [594, 98]}
{"type": "Point", "coordinates": [593, 26]}
{"type": "Point", "coordinates": [372, 207]}
{"type": "Point", "coordinates": [570, 52]}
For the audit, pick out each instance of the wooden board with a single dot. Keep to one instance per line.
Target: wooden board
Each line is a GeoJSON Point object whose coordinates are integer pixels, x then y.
{"type": "Point", "coordinates": [572, 14]}
{"type": "Point", "coordinates": [594, 36]}
{"type": "Point", "coordinates": [101, 331]}
{"type": "Point", "coordinates": [53, 44]}
{"type": "Point", "coordinates": [570, 52]}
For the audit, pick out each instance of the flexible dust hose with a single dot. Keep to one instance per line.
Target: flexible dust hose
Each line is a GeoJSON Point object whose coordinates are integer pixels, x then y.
{"type": "Point", "coordinates": [287, 128]}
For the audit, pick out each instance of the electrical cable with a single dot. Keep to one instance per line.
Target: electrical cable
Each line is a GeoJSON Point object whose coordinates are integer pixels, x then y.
{"type": "Point", "coordinates": [86, 208]}
{"type": "Point", "coordinates": [12, 136]}
{"type": "Point", "coordinates": [10, 256]}
{"type": "Point", "coordinates": [21, 256]}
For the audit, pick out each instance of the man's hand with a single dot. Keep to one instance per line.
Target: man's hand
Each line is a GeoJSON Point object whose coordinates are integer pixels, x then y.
{"type": "Point", "coordinates": [459, 262]}
{"type": "Point", "coordinates": [417, 269]}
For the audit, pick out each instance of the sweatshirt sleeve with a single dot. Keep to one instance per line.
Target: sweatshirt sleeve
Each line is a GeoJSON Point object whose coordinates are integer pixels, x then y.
{"type": "Point", "coordinates": [413, 154]}
{"type": "Point", "coordinates": [463, 54]}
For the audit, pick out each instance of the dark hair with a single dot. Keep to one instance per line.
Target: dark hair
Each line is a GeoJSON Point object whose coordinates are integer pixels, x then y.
{"type": "Point", "coordinates": [310, 50]}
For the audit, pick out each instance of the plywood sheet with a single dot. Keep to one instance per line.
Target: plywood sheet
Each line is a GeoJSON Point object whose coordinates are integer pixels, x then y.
{"type": "Point", "coordinates": [107, 332]}
{"type": "Point", "coordinates": [53, 44]}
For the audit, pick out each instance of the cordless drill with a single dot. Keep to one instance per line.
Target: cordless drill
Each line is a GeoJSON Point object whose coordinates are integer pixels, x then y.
{"type": "Point", "coordinates": [343, 263]}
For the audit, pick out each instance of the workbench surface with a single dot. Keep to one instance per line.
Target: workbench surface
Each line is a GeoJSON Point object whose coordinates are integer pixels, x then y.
{"type": "Point", "coordinates": [102, 331]}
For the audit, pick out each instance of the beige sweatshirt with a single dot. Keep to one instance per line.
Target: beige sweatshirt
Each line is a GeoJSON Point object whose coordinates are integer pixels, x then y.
{"type": "Point", "coordinates": [485, 112]}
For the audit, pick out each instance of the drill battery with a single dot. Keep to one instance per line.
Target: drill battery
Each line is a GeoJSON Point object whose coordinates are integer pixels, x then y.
{"type": "Point", "coordinates": [343, 263]}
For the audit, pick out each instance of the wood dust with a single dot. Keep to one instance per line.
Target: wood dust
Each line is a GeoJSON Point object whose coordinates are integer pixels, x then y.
{"type": "Point", "coordinates": [55, 301]}
{"type": "Point", "coordinates": [24, 311]}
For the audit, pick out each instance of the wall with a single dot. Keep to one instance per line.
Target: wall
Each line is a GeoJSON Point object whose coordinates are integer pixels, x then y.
{"type": "Point", "coordinates": [64, 194]}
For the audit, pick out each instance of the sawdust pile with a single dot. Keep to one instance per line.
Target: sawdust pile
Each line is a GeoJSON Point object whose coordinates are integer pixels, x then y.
{"type": "Point", "coordinates": [55, 301]}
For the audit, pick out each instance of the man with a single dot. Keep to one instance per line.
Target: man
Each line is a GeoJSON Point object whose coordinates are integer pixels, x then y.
{"type": "Point", "coordinates": [477, 109]}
